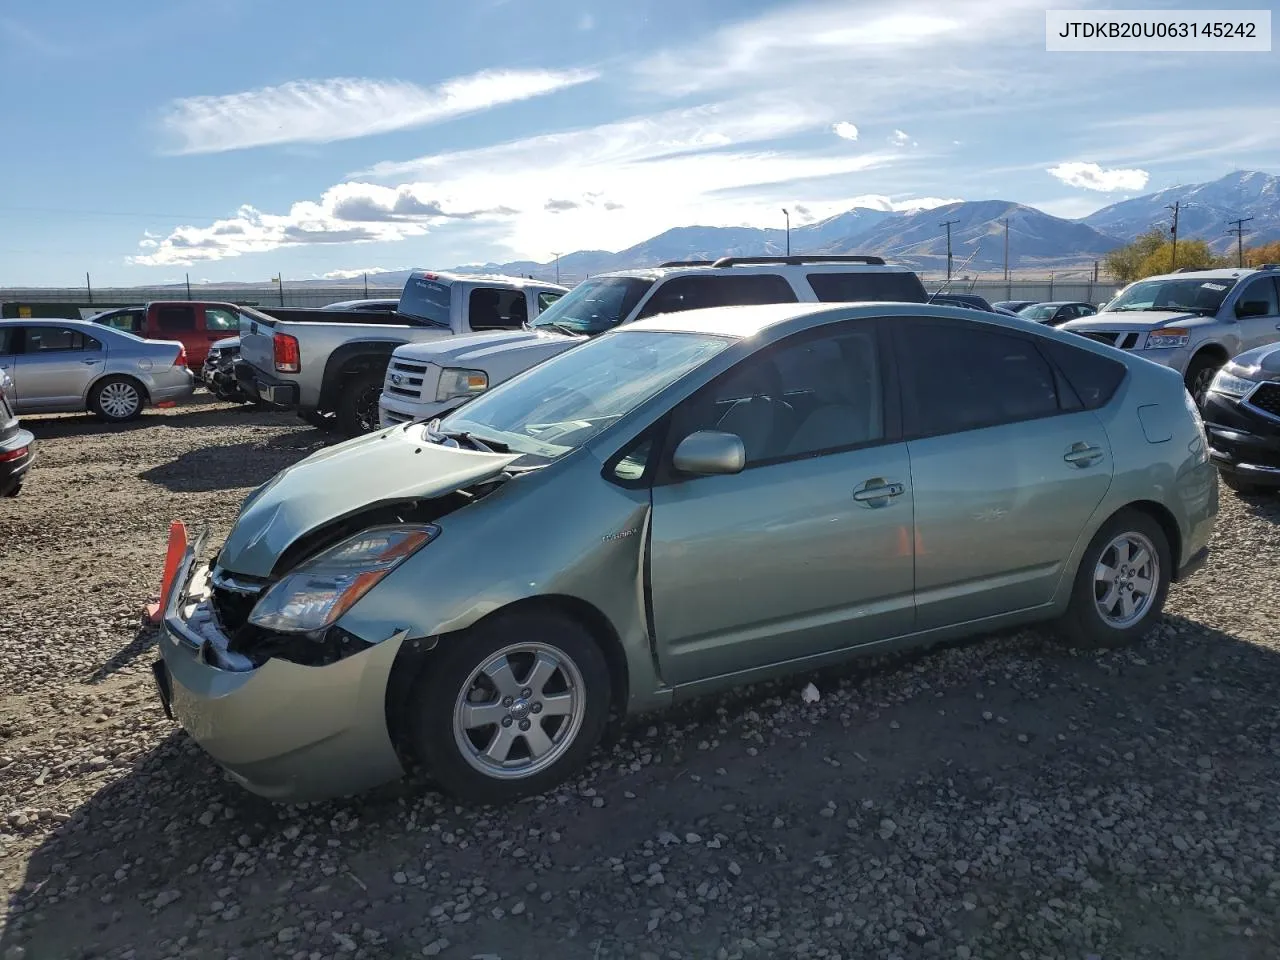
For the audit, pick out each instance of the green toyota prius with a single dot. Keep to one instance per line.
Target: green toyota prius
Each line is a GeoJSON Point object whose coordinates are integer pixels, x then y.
{"type": "Point", "coordinates": [686, 503]}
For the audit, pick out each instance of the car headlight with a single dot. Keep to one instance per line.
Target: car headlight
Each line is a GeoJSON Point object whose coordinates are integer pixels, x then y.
{"type": "Point", "coordinates": [315, 594]}
{"type": "Point", "coordinates": [455, 382]}
{"type": "Point", "coordinates": [1168, 337]}
{"type": "Point", "coordinates": [1229, 385]}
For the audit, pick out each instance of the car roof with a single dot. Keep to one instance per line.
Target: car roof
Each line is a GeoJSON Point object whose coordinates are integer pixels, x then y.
{"type": "Point", "coordinates": [1220, 273]}
{"type": "Point", "coordinates": [817, 266]}
{"type": "Point", "coordinates": [88, 326]}
{"type": "Point", "coordinates": [519, 282]}
{"type": "Point", "coordinates": [742, 322]}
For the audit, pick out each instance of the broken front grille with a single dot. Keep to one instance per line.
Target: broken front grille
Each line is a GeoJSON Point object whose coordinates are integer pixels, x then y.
{"type": "Point", "coordinates": [1267, 398]}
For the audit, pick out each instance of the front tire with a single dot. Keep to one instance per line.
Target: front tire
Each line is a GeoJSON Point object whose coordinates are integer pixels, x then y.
{"type": "Point", "coordinates": [117, 399]}
{"type": "Point", "coordinates": [1199, 375]}
{"type": "Point", "coordinates": [358, 403]}
{"type": "Point", "coordinates": [512, 708]}
{"type": "Point", "coordinates": [1121, 585]}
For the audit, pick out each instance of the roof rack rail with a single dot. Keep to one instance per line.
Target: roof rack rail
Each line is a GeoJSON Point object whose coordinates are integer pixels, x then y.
{"type": "Point", "coordinates": [1268, 266]}
{"type": "Point", "coordinates": [686, 263]}
{"type": "Point", "coordinates": [800, 260]}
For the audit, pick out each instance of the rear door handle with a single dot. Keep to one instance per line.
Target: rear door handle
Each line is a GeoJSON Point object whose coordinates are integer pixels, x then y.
{"type": "Point", "coordinates": [878, 489]}
{"type": "Point", "coordinates": [1083, 454]}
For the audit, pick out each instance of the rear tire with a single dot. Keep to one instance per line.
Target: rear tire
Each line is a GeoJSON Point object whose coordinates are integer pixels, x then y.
{"type": "Point", "coordinates": [117, 399]}
{"type": "Point", "coordinates": [358, 403]}
{"type": "Point", "coordinates": [1121, 585]}
{"type": "Point", "coordinates": [468, 716]}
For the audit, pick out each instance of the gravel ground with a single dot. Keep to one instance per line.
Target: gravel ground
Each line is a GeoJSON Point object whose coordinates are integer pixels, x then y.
{"type": "Point", "coordinates": [998, 798]}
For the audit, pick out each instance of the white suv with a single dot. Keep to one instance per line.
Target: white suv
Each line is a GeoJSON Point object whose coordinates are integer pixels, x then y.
{"type": "Point", "coordinates": [426, 379]}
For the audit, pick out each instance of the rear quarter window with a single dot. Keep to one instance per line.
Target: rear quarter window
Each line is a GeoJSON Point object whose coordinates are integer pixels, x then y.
{"type": "Point", "coordinates": [886, 286]}
{"type": "Point", "coordinates": [1095, 379]}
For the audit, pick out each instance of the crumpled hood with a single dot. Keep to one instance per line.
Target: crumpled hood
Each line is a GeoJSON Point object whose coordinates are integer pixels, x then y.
{"type": "Point", "coordinates": [474, 348]}
{"type": "Point", "coordinates": [1135, 320]}
{"type": "Point", "coordinates": [396, 464]}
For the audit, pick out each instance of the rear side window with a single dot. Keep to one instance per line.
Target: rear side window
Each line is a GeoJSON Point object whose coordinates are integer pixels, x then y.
{"type": "Point", "coordinates": [216, 318]}
{"type": "Point", "coordinates": [1095, 379]}
{"type": "Point", "coordinates": [52, 339]}
{"type": "Point", "coordinates": [176, 318]}
{"type": "Point", "coordinates": [964, 377]}
{"type": "Point", "coordinates": [697, 292]}
{"type": "Point", "coordinates": [887, 286]}
{"type": "Point", "coordinates": [427, 300]}
{"type": "Point", "coordinates": [496, 308]}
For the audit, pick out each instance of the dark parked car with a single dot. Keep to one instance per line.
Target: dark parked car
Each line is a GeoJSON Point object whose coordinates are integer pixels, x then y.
{"type": "Point", "coordinates": [970, 300]}
{"type": "Point", "coordinates": [1013, 305]}
{"type": "Point", "coordinates": [17, 446]}
{"type": "Point", "coordinates": [1242, 416]}
{"type": "Point", "coordinates": [1057, 312]}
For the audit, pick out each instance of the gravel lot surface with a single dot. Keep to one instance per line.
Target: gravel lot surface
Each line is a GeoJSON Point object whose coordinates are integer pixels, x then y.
{"type": "Point", "coordinates": [1000, 798]}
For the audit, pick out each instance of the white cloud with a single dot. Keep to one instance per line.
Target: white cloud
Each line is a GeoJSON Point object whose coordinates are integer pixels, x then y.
{"type": "Point", "coordinates": [1090, 176]}
{"type": "Point", "coordinates": [845, 130]}
{"type": "Point", "coordinates": [321, 111]}
{"type": "Point", "coordinates": [354, 274]}
{"type": "Point", "coordinates": [709, 164]}
{"type": "Point", "coordinates": [900, 138]}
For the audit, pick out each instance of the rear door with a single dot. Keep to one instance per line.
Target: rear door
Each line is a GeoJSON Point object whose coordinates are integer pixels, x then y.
{"type": "Point", "coordinates": [181, 322]}
{"type": "Point", "coordinates": [1007, 467]}
{"type": "Point", "coordinates": [56, 366]}
{"type": "Point", "coordinates": [1260, 329]}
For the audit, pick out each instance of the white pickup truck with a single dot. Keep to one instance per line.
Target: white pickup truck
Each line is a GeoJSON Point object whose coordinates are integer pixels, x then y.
{"type": "Point", "coordinates": [425, 379]}
{"type": "Point", "coordinates": [331, 371]}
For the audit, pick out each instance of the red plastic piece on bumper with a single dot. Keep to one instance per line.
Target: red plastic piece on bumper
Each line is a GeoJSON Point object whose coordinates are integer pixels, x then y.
{"type": "Point", "coordinates": [167, 403]}
{"type": "Point", "coordinates": [177, 547]}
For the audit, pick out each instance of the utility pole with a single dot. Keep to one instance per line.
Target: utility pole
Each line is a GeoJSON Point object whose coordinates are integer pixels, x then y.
{"type": "Point", "coordinates": [88, 286]}
{"type": "Point", "coordinates": [1238, 230]}
{"type": "Point", "coordinates": [787, 214]}
{"type": "Point", "coordinates": [557, 256]}
{"type": "Point", "coordinates": [366, 286]}
{"type": "Point", "coordinates": [188, 286]}
{"type": "Point", "coordinates": [279, 279]}
{"type": "Point", "coordinates": [947, 224]}
{"type": "Point", "coordinates": [1174, 230]}
{"type": "Point", "coordinates": [1006, 250]}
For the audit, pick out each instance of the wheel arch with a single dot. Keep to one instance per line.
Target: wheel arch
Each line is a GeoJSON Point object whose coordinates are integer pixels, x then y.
{"type": "Point", "coordinates": [117, 375]}
{"type": "Point", "coordinates": [415, 656]}
{"type": "Point", "coordinates": [1168, 524]}
{"type": "Point", "coordinates": [1213, 349]}
{"type": "Point", "coordinates": [352, 358]}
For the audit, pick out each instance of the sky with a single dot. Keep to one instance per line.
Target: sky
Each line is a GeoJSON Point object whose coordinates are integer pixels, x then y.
{"type": "Point", "coordinates": [234, 140]}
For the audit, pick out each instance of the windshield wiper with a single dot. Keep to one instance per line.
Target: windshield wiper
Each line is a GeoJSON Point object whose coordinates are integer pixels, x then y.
{"type": "Point", "coordinates": [483, 444]}
{"type": "Point", "coordinates": [561, 327]}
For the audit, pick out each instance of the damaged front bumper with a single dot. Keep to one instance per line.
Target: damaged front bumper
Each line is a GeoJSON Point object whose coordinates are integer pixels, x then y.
{"type": "Point", "coordinates": [282, 730]}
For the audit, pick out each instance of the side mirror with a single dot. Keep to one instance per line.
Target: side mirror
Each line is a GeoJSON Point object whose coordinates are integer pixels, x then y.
{"type": "Point", "coordinates": [709, 452]}
{"type": "Point", "coordinates": [1252, 308]}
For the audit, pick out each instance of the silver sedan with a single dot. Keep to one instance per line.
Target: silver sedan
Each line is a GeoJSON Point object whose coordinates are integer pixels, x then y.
{"type": "Point", "coordinates": [60, 366]}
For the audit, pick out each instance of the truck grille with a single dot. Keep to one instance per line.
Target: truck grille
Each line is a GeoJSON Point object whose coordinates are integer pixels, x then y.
{"type": "Point", "coordinates": [1121, 341]}
{"type": "Point", "coordinates": [1267, 398]}
{"type": "Point", "coordinates": [404, 379]}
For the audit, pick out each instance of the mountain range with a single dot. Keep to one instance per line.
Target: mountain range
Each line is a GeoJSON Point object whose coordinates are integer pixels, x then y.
{"type": "Point", "coordinates": [1037, 240]}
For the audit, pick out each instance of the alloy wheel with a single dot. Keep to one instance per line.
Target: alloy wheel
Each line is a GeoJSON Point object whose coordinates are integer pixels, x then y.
{"type": "Point", "coordinates": [520, 711]}
{"type": "Point", "coordinates": [119, 400]}
{"type": "Point", "coordinates": [1126, 580]}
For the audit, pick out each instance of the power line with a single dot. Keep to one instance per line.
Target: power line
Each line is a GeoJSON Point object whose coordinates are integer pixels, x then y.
{"type": "Point", "coordinates": [1238, 230]}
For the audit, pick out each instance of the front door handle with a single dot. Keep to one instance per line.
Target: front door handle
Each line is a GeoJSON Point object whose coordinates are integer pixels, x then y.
{"type": "Point", "coordinates": [878, 491]}
{"type": "Point", "coordinates": [1083, 454]}
{"type": "Point", "coordinates": [90, 363]}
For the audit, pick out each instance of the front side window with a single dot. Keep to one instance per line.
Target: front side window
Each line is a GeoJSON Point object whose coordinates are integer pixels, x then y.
{"type": "Point", "coordinates": [698, 292]}
{"type": "Point", "coordinates": [1261, 290]}
{"type": "Point", "coordinates": [51, 339]}
{"type": "Point", "coordinates": [810, 394]}
{"type": "Point", "coordinates": [215, 318]}
{"type": "Point", "coordinates": [1199, 296]}
{"type": "Point", "coordinates": [497, 308]}
{"type": "Point", "coordinates": [962, 377]}
{"type": "Point", "coordinates": [594, 306]}
{"type": "Point", "coordinates": [562, 403]}
{"type": "Point", "coordinates": [176, 319]}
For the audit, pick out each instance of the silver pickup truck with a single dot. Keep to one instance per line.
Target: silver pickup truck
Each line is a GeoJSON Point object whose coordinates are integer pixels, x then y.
{"type": "Point", "coordinates": [332, 373]}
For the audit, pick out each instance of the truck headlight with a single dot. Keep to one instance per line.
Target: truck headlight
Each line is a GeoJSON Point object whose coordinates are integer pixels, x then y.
{"type": "Point", "coordinates": [315, 594]}
{"type": "Point", "coordinates": [1168, 337]}
{"type": "Point", "coordinates": [455, 382]}
{"type": "Point", "coordinates": [1229, 385]}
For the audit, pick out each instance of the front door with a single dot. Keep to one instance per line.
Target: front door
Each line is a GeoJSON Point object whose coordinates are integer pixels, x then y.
{"type": "Point", "coordinates": [55, 368]}
{"type": "Point", "coordinates": [808, 549]}
{"type": "Point", "coordinates": [1007, 468]}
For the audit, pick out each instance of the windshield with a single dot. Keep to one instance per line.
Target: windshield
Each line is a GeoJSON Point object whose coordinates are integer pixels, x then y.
{"type": "Point", "coordinates": [594, 306]}
{"type": "Point", "coordinates": [561, 404]}
{"type": "Point", "coordinates": [427, 300]}
{"type": "Point", "coordinates": [1202, 296]}
{"type": "Point", "coordinates": [1039, 311]}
